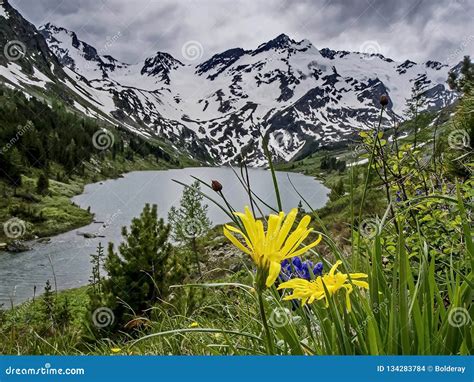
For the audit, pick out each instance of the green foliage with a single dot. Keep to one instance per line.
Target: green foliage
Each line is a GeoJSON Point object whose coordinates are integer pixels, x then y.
{"type": "Point", "coordinates": [95, 292]}
{"type": "Point", "coordinates": [97, 262]}
{"type": "Point", "coordinates": [337, 190]}
{"type": "Point", "coordinates": [414, 177]}
{"type": "Point", "coordinates": [137, 273]}
{"type": "Point", "coordinates": [463, 83]}
{"type": "Point", "coordinates": [35, 135]}
{"type": "Point", "coordinates": [11, 166]}
{"type": "Point", "coordinates": [42, 184]}
{"type": "Point", "coordinates": [332, 164]}
{"type": "Point", "coordinates": [417, 252]}
{"type": "Point", "coordinates": [189, 221]}
{"type": "Point", "coordinates": [48, 302]}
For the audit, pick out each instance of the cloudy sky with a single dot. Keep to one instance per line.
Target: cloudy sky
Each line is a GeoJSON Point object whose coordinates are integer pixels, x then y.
{"type": "Point", "coordinates": [131, 30]}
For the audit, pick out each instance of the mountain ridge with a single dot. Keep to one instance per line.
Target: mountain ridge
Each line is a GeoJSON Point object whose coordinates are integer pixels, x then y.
{"type": "Point", "coordinates": [283, 88]}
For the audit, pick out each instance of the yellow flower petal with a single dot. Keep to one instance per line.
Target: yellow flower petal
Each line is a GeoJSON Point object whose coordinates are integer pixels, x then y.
{"type": "Point", "coordinates": [238, 231]}
{"type": "Point", "coordinates": [269, 248]}
{"type": "Point", "coordinates": [307, 248]}
{"type": "Point", "coordinates": [286, 227]}
{"type": "Point", "coordinates": [362, 284]}
{"type": "Point", "coordinates": [236, 242]}
{"type": "Point", "coordinates": [358, 275]}
{"type": "Point", "coordinates": [334, 267]}
{"type": "Point", "coordinates": [348, 299]}
{"type": "Point", "coordinates": [294, 283]}
{"type": "Point", "coordinates": [323, 287]}
{"type": "Point", "coordinates": [273, 273]}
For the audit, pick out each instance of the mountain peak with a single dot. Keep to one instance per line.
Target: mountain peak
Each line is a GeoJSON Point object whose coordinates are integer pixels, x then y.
{"type": "Point", "coordinates": [52, 28]}
{"type": "Point", "coordinates": [282, 38]}
{"type": "Point", "coordinates": [280, 42]}
{"type": "Point", "coordinates": [161, 64]}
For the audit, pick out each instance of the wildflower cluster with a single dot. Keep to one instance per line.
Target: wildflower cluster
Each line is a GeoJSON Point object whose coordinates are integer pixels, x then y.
{"type": "Point", "coordinates": [296, 268]}
{"type": "Point", "coordinates": [269, 249]}
{"type": "Point", "coordinates": [309, 291]}
{"type": "Point", "coordinates": [276, 253]}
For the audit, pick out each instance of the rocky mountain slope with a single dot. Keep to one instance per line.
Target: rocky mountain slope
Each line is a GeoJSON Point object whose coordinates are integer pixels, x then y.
{"type": "Point", "coordinates": [301, 96]}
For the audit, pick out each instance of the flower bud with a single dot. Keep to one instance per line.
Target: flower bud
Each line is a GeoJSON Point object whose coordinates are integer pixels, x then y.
{"type": "Point", "coordinates": [216, 186]}
{"type": "Point", "coordinates": [384, 100]}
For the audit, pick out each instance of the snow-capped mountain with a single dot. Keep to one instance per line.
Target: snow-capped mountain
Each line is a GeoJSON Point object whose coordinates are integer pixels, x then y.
{"type": "Point", "coordinates": [292, 91]}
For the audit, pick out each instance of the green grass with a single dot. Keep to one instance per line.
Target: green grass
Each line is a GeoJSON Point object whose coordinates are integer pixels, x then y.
{"type": "Point", "coordinates": [418, 260]}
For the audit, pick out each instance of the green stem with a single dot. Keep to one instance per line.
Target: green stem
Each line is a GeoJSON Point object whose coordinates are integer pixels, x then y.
{"type": "Point", "coordinates": [272, 169]}
{"type": "Point", "coordinates": [265, 324]}
{"type": "Point", "coordinates": [371, 161]}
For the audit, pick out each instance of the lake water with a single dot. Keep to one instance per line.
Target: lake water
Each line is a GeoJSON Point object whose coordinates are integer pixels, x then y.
{"type": "Point", "coordinates": [116, 202]}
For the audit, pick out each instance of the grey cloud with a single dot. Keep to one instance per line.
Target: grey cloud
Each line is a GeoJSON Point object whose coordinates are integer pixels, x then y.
{"type": "Point", "coordinates": [418, 29]}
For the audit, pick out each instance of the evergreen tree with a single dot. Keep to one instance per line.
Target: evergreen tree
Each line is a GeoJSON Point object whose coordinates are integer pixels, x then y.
{"type": "Point", "coordinates": [97, 261]}
{"type": "Point", "coordinates": [189, 222]}
{"type": "Point", "coordinates": [42, 184]}
{"type": "Point", "coordinates": [412, 112]}
{"type": "Point", "coordinates": [63, 315]}
{"type": "Point", "coordinates": [95, 290]}
{"type": "Point", "coordinates": [137, 272]}
{"type": "Point", "coordinates": [465, 82]}
{"type": "Point", "coordinates": [11, 166]}
{"type": "Point", "coordinates": [330, 163]}
{"type": "Point", "coordinates": [48, 303]}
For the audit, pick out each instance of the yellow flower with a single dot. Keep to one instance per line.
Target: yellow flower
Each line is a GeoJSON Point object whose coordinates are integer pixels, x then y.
{"type": "Point", "coordinates": [116, 350]}
{"type": "Point", "coordinates": [269, 249]}
{"type": "Point", "coordinates": [308, 291]}
{"type": "Point", "coordinates": [194, 325]}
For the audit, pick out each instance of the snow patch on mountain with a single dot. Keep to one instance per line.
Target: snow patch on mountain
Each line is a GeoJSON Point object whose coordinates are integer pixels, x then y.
{"type": "Point", "coordinates": [3, 11]}
{"type": "Point", "coordinates": [13, 73]}
{"type": "Point", "coordinates": [286, 89]}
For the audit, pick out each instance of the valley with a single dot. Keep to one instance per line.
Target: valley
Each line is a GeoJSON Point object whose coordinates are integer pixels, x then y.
{"type": "Point", "coordinates": [302, 97]}
{"type": "Point", "coordinates": [264, 192]}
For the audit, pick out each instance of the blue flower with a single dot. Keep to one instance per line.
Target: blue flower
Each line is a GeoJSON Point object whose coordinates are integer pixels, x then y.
{"type": "Point", "coordinates": [318, 269]}
{"type": "Point", "coordinates": [297, 262]}
{"type": "Point", "coordinates": [300, 269]}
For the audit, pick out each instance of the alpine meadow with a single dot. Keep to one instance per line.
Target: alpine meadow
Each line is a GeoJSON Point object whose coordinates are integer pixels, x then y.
{"type": "Point", "coordinates": [194, 178]}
